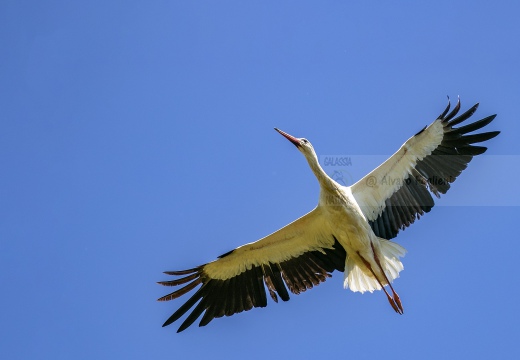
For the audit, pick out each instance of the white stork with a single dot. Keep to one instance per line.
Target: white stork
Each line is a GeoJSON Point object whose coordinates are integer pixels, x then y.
{"type": "Point", "coordinates": [349, 230]}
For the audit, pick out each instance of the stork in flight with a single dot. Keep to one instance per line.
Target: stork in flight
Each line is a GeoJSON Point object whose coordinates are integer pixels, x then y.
{"type": "Point", "coordinates": [349, 230]}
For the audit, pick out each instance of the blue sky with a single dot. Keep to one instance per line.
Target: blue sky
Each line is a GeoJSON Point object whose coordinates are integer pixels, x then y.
{"type": "Point", "coordinates": [137, 137]}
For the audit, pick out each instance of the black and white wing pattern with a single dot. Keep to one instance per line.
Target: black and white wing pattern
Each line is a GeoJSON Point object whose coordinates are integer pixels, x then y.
{"type": "Point", "coordinates": [399, 191]}
{"type": "Point", "coordinates": [300, 255]}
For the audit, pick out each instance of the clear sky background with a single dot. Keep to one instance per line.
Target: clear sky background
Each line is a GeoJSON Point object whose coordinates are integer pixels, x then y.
{"type": "Point", "coordinates": [137, 137]}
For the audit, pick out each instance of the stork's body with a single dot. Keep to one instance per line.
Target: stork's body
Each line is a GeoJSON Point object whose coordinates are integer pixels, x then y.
{"type": "Point", "coordinates": [350, 230]}
{"type": "Point", "coordinates": [370, 264]}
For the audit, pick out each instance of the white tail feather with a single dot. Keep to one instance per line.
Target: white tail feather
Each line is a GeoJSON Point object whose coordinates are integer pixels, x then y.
{"type": "Point", "coordinates": [357, 280]}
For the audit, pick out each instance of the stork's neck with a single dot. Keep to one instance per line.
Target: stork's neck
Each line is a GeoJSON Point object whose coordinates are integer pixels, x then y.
{"type": "Point", "coordinates": [326, 183]}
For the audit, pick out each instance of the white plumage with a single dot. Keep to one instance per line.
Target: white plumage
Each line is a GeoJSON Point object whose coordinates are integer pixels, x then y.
{"type": "Point", "coordinates": [350, 230]}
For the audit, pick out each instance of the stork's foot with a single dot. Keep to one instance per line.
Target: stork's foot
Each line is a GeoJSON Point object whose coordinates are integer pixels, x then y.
{"type": "Point", "coordinates": [395, 302]}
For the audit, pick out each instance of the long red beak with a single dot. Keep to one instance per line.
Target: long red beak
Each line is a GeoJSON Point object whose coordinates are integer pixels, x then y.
{"type": "Point", "coordinates": [291, 138]}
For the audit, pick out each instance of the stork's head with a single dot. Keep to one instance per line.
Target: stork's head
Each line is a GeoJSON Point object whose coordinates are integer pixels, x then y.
{"type": "Point", "coordinates": [301, 144]}
{"type": "Point", "coordinates": [307, 150]}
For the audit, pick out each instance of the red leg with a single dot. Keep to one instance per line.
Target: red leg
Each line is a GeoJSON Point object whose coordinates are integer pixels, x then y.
{"type": "Point", "coordinates": [395, 304]}
{"type": "Point", "coordinates": [396, 297]}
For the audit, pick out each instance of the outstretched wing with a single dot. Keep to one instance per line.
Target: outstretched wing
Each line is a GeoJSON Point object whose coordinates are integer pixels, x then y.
{"type": "Point", "coordinates": [300, 255]}
{"type": "Point", "coordinates": [398, 191]}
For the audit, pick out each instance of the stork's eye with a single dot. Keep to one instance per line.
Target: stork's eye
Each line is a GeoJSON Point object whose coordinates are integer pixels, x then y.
{"type": "Point", "coordinates": [305, 141]}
